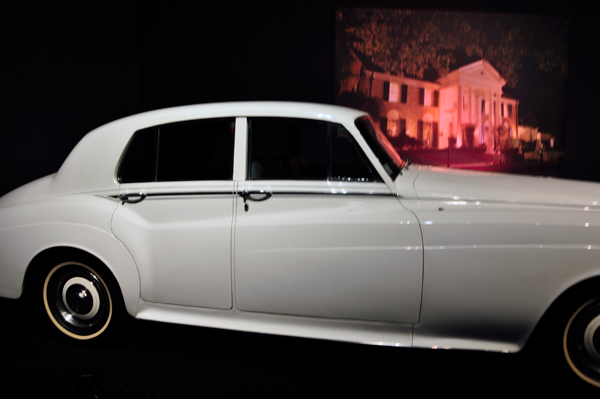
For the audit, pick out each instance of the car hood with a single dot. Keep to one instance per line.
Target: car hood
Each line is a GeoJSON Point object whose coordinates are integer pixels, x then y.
{"type": "Point", "coordinates": [454, 184]}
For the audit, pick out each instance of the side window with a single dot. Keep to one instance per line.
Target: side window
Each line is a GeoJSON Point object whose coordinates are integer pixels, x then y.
{"type": "Point", "coordinates": [303, 149]}
{"type": "Point", "coordinates": [182, 151]}
{"type": "Point", "coordinates": [139, 163]}
{"type": "Point", "coordinates": [348, 162]}
{"type": "Point", "coordinates": [287, 149]}
{"type": "Point", "coordinates": [196, 150]}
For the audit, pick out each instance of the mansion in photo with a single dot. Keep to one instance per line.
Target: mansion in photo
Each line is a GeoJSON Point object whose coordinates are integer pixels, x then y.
{"type": "Point", "coordinates": [465, 108]}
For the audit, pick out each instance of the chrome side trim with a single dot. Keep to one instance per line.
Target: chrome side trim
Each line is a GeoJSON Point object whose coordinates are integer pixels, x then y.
{"type": "Point", "coordinates": [228, 193]}
{"type": "Point", "coordinates": [184, 194]}
{"type": "Point", "coordinates": [109, 197]}
{"type": "Point", "coordinates": [501, 202]}
{"type": "Point", "coordinates": [330, 193]}
{"type": "Point", "coordinates": [181, 194]}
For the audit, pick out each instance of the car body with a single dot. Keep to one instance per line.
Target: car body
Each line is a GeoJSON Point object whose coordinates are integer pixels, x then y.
{"type": "Point", "coordinates": [300, 219]}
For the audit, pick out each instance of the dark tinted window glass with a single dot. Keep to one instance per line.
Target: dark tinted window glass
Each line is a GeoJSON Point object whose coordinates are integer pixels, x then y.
{"type": "Point", "coordinates": [139, 161]}
{"type": "Point", "coordinates": [285, 148]}
{"type": "Point", "coordinates": [196, 150]}
{"type": "Point", "coordinates": [347, 161]}
{"type": "Point", "coordinates": [381, 146]}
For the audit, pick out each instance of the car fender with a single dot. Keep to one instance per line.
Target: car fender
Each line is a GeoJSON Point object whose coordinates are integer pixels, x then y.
{"type": "Point", "coordinates": [64, 222]}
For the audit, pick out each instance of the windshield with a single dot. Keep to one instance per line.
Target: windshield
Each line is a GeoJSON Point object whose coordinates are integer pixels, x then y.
{"type": "Point", "coordinates": [381, 146]}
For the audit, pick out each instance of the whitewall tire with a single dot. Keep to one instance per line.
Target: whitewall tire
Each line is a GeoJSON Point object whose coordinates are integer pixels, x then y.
{"type": "Point", "coordinates": [81, 302]}
{"type": "Point", "coordinates": [581, 342]}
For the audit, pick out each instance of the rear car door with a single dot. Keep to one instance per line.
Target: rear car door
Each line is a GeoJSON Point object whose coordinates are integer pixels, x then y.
{"type": "Point", "coordinates": [177, 195]}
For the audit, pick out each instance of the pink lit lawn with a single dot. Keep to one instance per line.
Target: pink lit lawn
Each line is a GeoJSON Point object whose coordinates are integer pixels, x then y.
{"type": "Point", "coordinates": [476, 159]}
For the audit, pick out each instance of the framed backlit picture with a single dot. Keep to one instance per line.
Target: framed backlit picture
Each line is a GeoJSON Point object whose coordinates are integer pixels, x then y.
{"type": "Point", "coordinates": [466, 90]}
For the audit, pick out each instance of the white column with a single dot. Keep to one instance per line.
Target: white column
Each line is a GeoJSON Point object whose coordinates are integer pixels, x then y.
{"type": "Point", "coordinates": [478, 116]}
{"type": "Point", "coordinates": [498, 117]}
{"type": "Point", "coordinates": [459, 112]}
{"type": "Point", "coordinates": [491, 134]}
{"type": "Point", "coordinates": [471, 105]}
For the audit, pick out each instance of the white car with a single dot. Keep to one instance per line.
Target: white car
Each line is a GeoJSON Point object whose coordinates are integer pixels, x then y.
{"type": "Point", "coordinates": [301, 219]}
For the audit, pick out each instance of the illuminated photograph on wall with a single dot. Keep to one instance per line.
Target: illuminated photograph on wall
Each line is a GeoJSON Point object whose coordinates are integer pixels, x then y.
{"type": "Point", "coordinates": [463, 90]}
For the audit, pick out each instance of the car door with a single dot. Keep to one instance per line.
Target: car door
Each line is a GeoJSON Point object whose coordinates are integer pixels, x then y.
{"type": "Point", "coordinates": [177, 196]}
{"type": "Point", "coordinates": [317, 231]}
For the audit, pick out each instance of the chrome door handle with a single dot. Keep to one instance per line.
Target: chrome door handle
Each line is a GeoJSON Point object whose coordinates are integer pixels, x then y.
{"type": "Point", "coordinates": [137, 197]}
{"type": "Point", "coordinates": [247, 196]}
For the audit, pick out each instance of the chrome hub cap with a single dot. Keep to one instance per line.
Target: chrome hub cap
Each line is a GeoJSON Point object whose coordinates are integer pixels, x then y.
{"type": "Point", "coordinates": [81, 298]}
{"type": "Point", "coordinates": [591, 338]}
{"type": "Point", "coordinates": [77, 300]}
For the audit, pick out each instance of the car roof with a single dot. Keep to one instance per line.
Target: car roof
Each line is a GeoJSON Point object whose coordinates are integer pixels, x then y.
{"type": "Point", "coordinates": [91, 164]}
{"type": "Point", "coordinates": [247, 108]}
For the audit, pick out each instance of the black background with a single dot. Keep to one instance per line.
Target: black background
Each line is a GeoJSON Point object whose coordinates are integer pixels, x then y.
{"type": "Point", "coordinates": [66, 70]}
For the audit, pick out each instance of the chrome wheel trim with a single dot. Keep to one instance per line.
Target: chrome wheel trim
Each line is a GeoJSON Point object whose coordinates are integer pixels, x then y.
{"type": "Point", "coordinates": [587, 343]}
{"type": "Point", "coordinates": [89, 290]}
{"type": "Point", "coordinates": [588, 338]}
{"type": "Point", "coordinates": [67, 317]}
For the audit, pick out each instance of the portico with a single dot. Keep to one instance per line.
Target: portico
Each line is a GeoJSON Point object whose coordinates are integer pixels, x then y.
{"type": "Point", "coordinates": [472, 107]}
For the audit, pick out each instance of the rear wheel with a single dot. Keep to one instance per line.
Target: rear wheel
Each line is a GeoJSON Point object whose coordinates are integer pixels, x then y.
{"type": "Point", "coordinates": [581, 341]}
{"type": "Point", "coordinates": [81, 302]}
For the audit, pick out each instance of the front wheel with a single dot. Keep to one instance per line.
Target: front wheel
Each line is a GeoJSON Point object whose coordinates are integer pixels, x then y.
{"type": "Point", "coordinates": [581, 342]}
{"type": "Point", "coordinates": [82, 302]}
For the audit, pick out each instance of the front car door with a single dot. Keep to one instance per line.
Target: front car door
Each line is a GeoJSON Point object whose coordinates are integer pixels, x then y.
{"type": "Point", "coordinates": [318, 233]}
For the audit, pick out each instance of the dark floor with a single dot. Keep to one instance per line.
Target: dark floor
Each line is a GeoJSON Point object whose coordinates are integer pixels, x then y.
{"type": "Point", "coordinates": [157, 360]}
